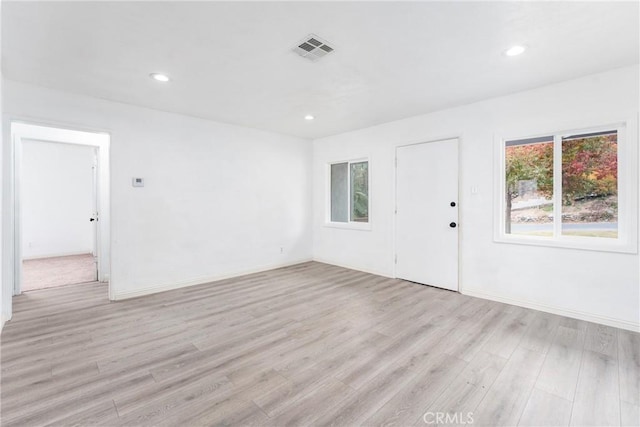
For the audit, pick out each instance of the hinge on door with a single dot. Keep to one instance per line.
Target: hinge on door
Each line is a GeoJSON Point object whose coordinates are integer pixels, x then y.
{"type": "Point", "coordinates": [396, 260]}
{"type": "Point", "coordinates": [396, 162]}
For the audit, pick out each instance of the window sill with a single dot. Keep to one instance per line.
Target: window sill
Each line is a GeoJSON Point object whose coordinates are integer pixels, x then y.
{"type": "Point", "coordinates": [579, 243]}
{"type": "Point", "coordinates": [360, 226]}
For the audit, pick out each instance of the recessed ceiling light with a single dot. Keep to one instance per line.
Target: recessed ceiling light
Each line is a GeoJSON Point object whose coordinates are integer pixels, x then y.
{"type": "Point", "coordinates": [159, 77]}
{"type": "Point", "coordinates": [309, 117]}
{"type": "Point", "coordinates": [515, 50]}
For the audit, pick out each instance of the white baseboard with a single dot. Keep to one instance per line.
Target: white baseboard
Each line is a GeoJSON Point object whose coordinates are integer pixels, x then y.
{"type": "Point", "coordinates": [122, 295]}
{"type": "Point", "coordinates": [589, 317]}
{"type": "Point", "coordinates": [350, 267]}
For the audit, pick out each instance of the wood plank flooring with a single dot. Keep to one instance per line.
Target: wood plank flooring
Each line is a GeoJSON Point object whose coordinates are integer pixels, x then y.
{"type": "Point", "coordinates": [311, 344]}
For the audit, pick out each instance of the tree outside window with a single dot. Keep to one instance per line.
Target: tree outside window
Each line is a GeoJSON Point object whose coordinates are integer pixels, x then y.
{"type": "Point", "coordinates": [589, 186]}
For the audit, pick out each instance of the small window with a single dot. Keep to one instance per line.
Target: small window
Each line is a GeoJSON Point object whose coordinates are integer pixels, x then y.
{"type": "Point", "coordinates": [350, 192]}
{"type": "Point", "coordinates": [563, 189]}
{"type": "Point", "coordinates": [339, 192]}
{"type": "Point", "coordinates": [359, 178]}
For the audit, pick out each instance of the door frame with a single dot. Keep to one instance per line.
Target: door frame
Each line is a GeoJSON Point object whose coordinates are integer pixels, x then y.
{"type": "Point", "coordinates": [395, 202]}
{"type": "Point", "coordinates": [22, 130]}
{"type": "Point", "coordinates": [95, 205]}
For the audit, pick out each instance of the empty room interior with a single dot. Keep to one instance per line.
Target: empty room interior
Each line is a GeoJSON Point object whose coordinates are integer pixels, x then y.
{"type": "Point", "coordinates": [320, 213]}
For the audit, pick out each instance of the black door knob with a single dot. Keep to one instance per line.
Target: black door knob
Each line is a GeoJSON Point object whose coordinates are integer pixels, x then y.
{"type": "Point", "coordinates": [91, 219]}
{"type": "Point", "coordinates": [453, 204]}
{"type": "Point", "coordinates": [453, 225]}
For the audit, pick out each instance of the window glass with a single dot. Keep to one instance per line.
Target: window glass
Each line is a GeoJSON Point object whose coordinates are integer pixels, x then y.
{"type": "Point", "coordinates": [339, 192]}
{"type": "Point", "coordinates": [360, 192]}
{"type": "Point", "coordinates": [529, 186]}
{"type": "Point", "coordinates": [590, 185]}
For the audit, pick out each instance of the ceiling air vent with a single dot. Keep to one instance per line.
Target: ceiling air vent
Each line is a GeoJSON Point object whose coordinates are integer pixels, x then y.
{"type": "Point", "coordinates": [313, 47]}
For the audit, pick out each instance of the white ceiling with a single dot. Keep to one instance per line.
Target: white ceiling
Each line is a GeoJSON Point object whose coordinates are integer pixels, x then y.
{"type": "Point", "coordinates": [232, 61]}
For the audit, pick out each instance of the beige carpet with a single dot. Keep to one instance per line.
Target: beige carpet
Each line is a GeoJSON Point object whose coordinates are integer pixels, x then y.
{"type": "Point", "coordinates": [57, 271]}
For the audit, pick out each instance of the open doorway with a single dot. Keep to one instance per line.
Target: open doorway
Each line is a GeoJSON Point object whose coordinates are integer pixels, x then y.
{"type": "Point", "coordinates": [61, 221]}
{"type": "Point", "coordinates": [58, 215]}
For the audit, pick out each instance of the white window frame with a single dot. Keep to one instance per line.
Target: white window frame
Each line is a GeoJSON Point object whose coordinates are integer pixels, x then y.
{"type": "Point", "coordinates": [352, 225]}
{"type": "Point", "coordinates": [627, 240]}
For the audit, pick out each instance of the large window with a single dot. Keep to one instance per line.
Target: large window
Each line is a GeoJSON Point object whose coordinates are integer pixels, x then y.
{"type": "Point", "coordinates": [562, 188]}
{"type": "Point", "coordinates": [349, 192]}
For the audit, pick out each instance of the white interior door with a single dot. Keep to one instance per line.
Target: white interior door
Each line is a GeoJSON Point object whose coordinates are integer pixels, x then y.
{"type": "Point", "coordinates": [427, 213]}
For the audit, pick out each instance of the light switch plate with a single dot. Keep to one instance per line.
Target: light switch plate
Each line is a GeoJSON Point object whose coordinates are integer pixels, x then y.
{"type": "Point", "coordinates": [137, 182]}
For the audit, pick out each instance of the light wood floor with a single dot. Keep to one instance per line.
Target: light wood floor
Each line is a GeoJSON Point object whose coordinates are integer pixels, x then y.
{"type": "Point", "coordinates": [311, 344]}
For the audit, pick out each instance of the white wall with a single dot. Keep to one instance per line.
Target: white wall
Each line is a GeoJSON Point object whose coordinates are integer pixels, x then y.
{"type": "Point", "coordinates": [595, 285]}
{"type": "Point", "coordinates": [218, 200]}
{"type": "Point", "coordinates": [56, 199]}
{"type": "Point", "coordinates": [5, 290]}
